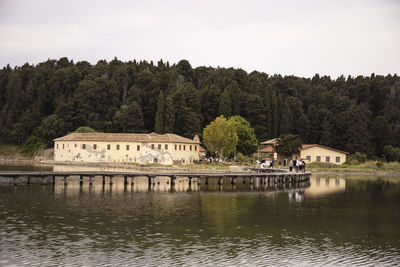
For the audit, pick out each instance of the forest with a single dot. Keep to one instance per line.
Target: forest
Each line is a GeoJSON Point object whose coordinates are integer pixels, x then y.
{"type": "Point", "coordinates": [44, 101]}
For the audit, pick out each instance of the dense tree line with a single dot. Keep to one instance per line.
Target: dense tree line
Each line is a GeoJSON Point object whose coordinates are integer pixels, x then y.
{"type": "Point", "coordinates": [44, 101]}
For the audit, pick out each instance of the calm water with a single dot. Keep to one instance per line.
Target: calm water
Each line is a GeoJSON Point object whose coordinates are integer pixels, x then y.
{"type": "Point", "coordinates": [334, 221]}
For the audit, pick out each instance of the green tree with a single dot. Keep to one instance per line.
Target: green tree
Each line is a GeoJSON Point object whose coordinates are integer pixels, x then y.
{"type": "Point", "coordinates": [255, 114]}
{"type": "Point", "coordinates": [247, 141]}
{"type": "Point", "coordinates": [225, 104]}
{"type": "Point", "coordinates": [50, 128]}
{"type": "Point", "coordinates": [274, 112]}
{"type": "Point", "coordinates": [235, 95]}
{"type": "Point", "coordinates": [220, 136]}
{"type": "Point", "coordinates": [285, 125]}
{"type": "Point", "coordinates": [160, 115]}
{"type": "Point", "coordinates": [288, 145]}
{"type": "Point", "coordinates": [85, 129]}
{"type": "Point", "coordinates": [391, 153]}
{"type": "Point", "coordinates": [169, 121]}
{"type": "Point", "coordinates": [381, 134]}
{"type": "Point", "coordinates": [188, 116]}
{"type": "Point", "coordinates": [268, 112]}
{"type": "Point", "coordinates": [129, 119]}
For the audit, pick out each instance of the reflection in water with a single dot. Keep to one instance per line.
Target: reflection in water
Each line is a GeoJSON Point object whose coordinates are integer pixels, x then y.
{"type": "Point", "coordinates": [322, 186]}
{"type": "Point", "coordinates": [206, 225]}
{"type": "Point", "coordinates": [162, 184]}
{"type": "Point", "coordinates": [297, 196]}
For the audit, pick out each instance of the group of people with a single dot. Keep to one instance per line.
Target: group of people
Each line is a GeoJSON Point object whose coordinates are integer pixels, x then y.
{"type": "Point", "coordinates": [297, 165]}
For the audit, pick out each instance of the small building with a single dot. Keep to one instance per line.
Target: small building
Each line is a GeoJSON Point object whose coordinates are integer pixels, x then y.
{"type": "Point", "coordinates": [319, 153]}
{"type": "Point", "coordinates": [308, 152]}
{"type": "Point", "coordinates": [126, 148]}
{"type": "Point", "coordinates": [267, 149]}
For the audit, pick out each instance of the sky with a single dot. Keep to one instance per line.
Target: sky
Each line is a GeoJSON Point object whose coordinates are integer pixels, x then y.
{"type": "Point", "coordinates": [288, 37]}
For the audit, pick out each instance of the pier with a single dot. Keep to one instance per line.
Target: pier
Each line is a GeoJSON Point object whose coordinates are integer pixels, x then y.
{"type": "Point", "coordinates": [263, 176]}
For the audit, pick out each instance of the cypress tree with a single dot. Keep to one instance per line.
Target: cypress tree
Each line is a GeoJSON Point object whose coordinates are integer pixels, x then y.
{"type": "Point", "coordinates": [274, 112]}
{"type": "Point", "coordinates": [169, 119]}
{"type": "Point", "coordinates": [160, 115]}
{"type": "Point", "coordinates": [287, 117]}
{"type": "Point", "coordinates": [268, 118]}
{"type": "Point", "coordinates": [224, 107]}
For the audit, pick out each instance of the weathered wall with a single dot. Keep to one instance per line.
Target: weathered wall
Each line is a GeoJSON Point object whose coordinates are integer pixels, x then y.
{"type": "Point", "coordinates": [74, 151]}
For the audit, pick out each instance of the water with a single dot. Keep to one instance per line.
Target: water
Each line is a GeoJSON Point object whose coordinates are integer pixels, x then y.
{"type": "Point", "coordinates": [334, 221]}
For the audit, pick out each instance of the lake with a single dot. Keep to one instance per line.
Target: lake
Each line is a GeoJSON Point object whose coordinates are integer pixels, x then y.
{"type": "Point", "coordinates": [342, 220]}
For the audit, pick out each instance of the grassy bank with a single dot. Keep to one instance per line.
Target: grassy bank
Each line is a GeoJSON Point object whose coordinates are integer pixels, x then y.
{"type": "Point", "coordinates": [366, 167]}
{"type": "Point", "coordinates": [11, 152]}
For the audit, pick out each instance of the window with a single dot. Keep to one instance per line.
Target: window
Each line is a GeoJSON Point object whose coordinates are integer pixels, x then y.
{"type": "Point", "coordinates": [108, 147]}
{"type": "Point", "coordinates": [166, 147]}
{"type": "Point", "coordinates": [138, 147]}
{"type": "Point", "coordinates": [190, 147]}
{"type": "Point", "coordinates": [176, 147]}
{"type": "Point", "coordinates": [117, 147]}
{"type": "Point", "coordinates": [83, 146]}
{"type": "Point", "coordinates": [195, 148]}
{"type": "Point", "coordinates": [318, 158]}
{"type": "Point", "coordinates": [308, 158]}
{"type": "Point", "coordinates": [95, 146]}
{"type": "Point", "coordinates": [180, 147]}
{"type": "Point", "coordinates": [127, 147]}
{"type": "Point", "coordinates": [63, 146]}
{"type": "Point", "coordinates": [57, 146]}
{"type": "Point", "coordinates": [76, 145]}
{"type": "Point", "coordinates": [155, 160]}
{"type": "Point", "coordinates": [337, 159]}
{"type": "Point", "coordinates": [159, 146]}
{"type": "Point", "coordinates": [184, 147]}
{"type": "Point", "coordinates": [152, 146]}
{"type": "Point", "coordinates": [328, 159]}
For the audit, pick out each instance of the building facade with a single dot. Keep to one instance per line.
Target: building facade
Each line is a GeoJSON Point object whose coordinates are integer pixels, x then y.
{"type": "Point", "coordinates": [308, 152]}
{"type": "Point", "coordinates": [319, 153]}
{"type": "Point", "coordinates": [126, 148]}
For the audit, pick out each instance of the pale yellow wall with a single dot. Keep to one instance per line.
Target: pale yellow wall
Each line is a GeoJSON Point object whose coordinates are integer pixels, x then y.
{"type": "Point", "coordinates": [73, 151]}
{"type": "Point", "coordinates": [323, 152]}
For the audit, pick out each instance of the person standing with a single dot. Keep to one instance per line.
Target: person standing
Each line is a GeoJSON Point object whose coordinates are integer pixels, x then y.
{"type": "Point", "coordinates": [290, 166]}
{"type": "Point", "coordinates": [295, 164]}
{"type": "Point", "coordinates": [304, 166]}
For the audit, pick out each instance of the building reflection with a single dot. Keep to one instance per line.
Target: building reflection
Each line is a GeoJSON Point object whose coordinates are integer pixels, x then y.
{"type": "Point", "coordinates": [322, 186]}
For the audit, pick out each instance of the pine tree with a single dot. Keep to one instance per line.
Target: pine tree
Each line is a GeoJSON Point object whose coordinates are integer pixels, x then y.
{"type": "Point", "coordinates": [169, 119]}
{"type": "Point", "coordinates": [274, 111]}
{"type": "Point", "coordinates": [160, 115]}
{"type": "Point", "coordinates": [287, 118]}
{"type": "Point", "coordinates": [235, 94]}
{"type": "Point", "coordinates": [224, 107]}
{"type": "Point", "coordinates": [268, 107]}
{"type": "Point", "coordinates": [326, 134]}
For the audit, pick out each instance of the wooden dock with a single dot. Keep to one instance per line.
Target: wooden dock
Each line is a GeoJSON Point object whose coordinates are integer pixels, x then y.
{"type": "Point", "coordinates": [264, 176]}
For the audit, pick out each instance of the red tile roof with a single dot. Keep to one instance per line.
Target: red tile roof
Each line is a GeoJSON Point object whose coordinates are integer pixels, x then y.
{"type": "Point", "coordinates": [271, 149]}
{"type": "Point", "coordinates": [306, 146]}
{"type": "Point", "coordinates": [268, 149]}
{"type": "Point", "coordinates": [126, 137]}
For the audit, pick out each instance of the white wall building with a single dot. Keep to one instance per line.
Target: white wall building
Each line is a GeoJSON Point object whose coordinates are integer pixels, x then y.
{"type": "Point", "coordinates": [126, 147]}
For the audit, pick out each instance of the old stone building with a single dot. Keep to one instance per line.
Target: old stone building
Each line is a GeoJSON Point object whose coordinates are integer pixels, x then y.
{"type": "Point", "coordinates": [126, 147]}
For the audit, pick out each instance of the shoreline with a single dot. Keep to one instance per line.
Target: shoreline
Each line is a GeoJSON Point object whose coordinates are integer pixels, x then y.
{"type": "Point", "coordinates": [189, 167]}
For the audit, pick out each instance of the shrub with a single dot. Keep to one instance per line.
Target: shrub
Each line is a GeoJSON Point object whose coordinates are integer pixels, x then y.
{"type": "Point", "coordinates": [242, 158]}
{"type": "Point", "coordinates": [391, 153]}
{"type": "Point", "coordinates": [379, 164]}
{"type": "Point", "coordinates": [33, 146]}
{"type": "Point", "coordinates": [357, 158]}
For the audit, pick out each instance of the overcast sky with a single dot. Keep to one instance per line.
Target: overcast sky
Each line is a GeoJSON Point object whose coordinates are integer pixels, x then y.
{"type": "Point", "coordinates": [286, 37]}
